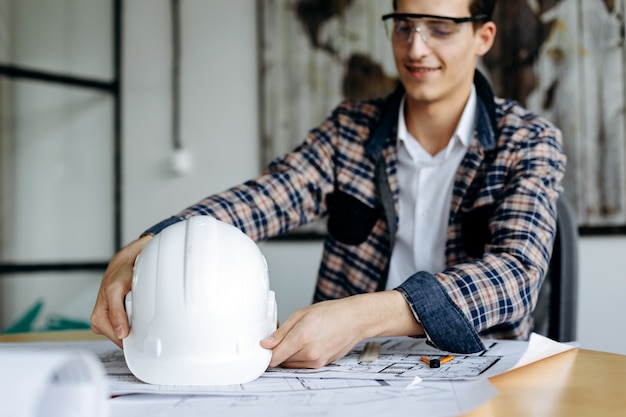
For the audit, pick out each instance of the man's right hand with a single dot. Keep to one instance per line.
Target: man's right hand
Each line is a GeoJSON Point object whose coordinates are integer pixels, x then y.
{"type": "Point", "coordinates": [109, 315]}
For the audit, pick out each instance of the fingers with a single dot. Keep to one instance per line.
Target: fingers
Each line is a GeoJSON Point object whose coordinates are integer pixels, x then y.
{"type": "Point", "coordinates": [270, 342]}
{"type": "Point", "coordinates": [274, 341]}
{"type": "Point", "coordinates": [109, 316]}
{"type": "Point", "coordinates": [306, 364]}
{"type": "Point", "coordinates": [297, 351]}
{"type": "Point", "coordinates": [102, 326]}
{"type": "Point", "coordinates": [316, 335]}
{"type": "Point", "coordinates": [275, 338]}
{"type": "Point", "coordinates": [296, 344]}
{"type": "Point", "coordinates": [115, 295]}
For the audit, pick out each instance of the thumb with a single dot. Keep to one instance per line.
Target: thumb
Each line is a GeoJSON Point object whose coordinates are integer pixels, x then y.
{"type": "Point", "coordinates": [279, 334]}
{"type": "Point", "coordinates": [274, 339]}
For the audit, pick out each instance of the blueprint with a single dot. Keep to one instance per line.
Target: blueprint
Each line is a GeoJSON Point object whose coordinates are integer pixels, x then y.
{"type": "Point", "coordinates": [398, 366]}
{"type": "Point", "coordinates": [435, 399]}
{"type": "Point", "coordinates": [399, 358]}
{"type": "Point", "coordinates": [122, 381]}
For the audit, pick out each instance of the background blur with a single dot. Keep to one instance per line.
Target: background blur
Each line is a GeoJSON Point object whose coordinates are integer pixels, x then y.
{"type": "Point", "coordinates": [88, 163]}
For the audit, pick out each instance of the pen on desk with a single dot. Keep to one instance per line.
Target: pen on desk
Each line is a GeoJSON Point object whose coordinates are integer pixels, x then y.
{"type": "Point", "coordinates": [436, 362]}
{"type": "Point", "coordinates": [370, 353]}
{"type": "Point", "coordinates": [446, 359]}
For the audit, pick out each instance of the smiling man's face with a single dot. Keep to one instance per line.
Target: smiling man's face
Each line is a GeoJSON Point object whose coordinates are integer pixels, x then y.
{"type": "Point", "coordinates": [441, 69]}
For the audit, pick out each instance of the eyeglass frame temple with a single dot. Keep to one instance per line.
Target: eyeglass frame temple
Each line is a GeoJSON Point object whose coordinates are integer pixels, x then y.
{"type": "Point", "coordinates": [430, 16]}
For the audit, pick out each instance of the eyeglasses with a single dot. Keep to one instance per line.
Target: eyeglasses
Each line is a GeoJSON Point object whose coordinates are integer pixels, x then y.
{"type": "Point", "coordinates": [434, 30]}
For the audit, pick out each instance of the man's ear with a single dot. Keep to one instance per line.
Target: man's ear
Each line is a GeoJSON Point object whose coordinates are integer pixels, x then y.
{"type": "Point", "coordinates": [485, 36]}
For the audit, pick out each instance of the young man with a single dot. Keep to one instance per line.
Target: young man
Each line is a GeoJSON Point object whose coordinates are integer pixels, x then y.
{"type": "Point", "coordinates": [440, 202]}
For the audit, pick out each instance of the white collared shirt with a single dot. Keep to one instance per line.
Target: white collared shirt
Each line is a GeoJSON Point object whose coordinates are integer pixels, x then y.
{"type": "Point", "coordinates": [426, 183]}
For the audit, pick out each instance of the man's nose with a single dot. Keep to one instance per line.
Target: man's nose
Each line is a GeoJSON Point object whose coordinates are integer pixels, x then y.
{"type": "Point", "coordinates": [418, 42]}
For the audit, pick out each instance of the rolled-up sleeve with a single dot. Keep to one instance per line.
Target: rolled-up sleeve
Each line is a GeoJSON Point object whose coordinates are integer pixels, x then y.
{"type": "Point", "coordinates": [496, 293]}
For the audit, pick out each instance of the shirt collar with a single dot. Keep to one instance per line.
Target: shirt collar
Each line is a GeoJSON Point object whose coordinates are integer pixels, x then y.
{"type": "Point", "coordinates": [465, 128]}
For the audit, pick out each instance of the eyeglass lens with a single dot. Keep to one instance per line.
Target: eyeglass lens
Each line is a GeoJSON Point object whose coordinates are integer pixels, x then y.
{"type": "Point", "coordinates": [432, 31]}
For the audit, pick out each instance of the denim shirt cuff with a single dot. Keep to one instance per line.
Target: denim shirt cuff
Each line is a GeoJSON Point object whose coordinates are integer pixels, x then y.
{"type": "Point", "coordinates": [161, 225]}
{"type": "Point", "coordinates": [444, 323]}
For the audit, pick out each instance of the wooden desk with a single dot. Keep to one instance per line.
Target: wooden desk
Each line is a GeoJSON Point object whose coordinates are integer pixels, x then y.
{"type": "Point", "coordinates": [51, 336]}
{"type": "Point", "coordinates": [575, 383]}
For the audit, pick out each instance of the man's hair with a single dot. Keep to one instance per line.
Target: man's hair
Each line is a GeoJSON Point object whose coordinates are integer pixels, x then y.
{"type": "Point", "coordinates": [476, 7]}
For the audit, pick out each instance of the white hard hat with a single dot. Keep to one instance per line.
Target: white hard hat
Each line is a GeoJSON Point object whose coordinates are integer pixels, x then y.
{"type": "Point", "coordinates": [199, 306]}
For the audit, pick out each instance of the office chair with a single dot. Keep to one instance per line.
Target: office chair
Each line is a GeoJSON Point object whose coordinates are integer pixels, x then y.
{"type": "Point", "coordinates": [557, 306]}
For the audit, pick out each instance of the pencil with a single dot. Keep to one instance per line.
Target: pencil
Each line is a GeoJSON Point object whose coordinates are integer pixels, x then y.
{"type": "Point", "coordinates": [446, 359]}
{"type": "Point", "coordinates": [370, 353]}
{"type": "Point", "coordinates": [436, 362]}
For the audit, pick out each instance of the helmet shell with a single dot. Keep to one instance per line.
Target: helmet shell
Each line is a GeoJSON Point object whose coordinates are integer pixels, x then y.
{"type": "Point", "coordinates": [198, 307]}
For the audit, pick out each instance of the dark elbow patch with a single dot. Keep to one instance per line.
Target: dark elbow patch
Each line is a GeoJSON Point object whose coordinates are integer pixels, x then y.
{"type": "Point", "coordinates": [350, 221]}
{"type": "Point", "coordinates": [475, 232]}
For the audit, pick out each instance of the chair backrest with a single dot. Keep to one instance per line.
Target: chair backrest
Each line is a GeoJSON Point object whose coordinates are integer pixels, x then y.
{"type": "Point", "coordinates": [557, 306]}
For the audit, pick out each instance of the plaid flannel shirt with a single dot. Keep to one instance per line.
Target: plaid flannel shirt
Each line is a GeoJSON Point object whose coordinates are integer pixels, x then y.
{"type": "Point", "coordinates": [502, 219]}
